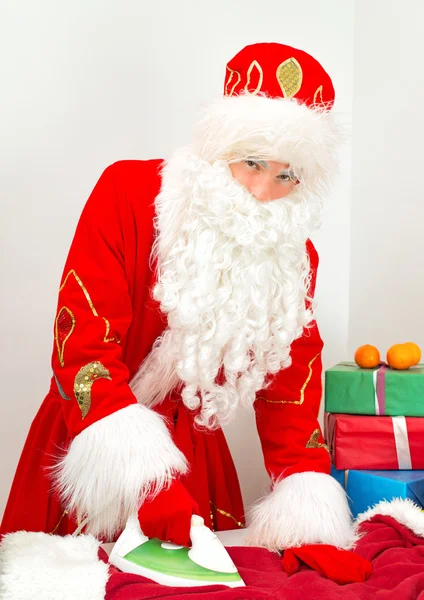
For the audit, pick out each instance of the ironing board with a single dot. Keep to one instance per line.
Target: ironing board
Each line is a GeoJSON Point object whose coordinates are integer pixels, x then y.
{"type": "Point", "coordinates": [391, 537]}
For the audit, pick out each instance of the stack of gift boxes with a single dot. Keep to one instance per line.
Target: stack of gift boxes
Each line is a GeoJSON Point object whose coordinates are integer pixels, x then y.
{"type": "Point", "coordinates": [374, 427]}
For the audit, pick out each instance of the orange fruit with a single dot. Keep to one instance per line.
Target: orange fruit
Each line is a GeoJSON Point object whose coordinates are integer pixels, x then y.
{"type": "Point", "coordinates": [367, 356]}
{"type": "Point", "coordinates": [400, 357]}
{"type": "Point", "coordinates": [415, 351]}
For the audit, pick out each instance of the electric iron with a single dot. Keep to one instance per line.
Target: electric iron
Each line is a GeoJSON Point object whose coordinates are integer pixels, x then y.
{"type": "Point", "coordinates": [205, 563]}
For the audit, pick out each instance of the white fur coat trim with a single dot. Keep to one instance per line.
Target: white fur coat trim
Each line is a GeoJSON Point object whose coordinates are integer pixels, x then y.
{"type": "Point", "coordinates": [38, 566]}
{"type": "Point", "coordinates": [114, 464]}
{"type": "Point", "coordinates": [404, 510]}
{"type": "Point", "coordinates": [304, 508]}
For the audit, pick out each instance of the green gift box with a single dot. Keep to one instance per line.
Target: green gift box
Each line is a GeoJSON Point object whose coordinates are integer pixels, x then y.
{"type": "Point", "coordinates": [380, 391]}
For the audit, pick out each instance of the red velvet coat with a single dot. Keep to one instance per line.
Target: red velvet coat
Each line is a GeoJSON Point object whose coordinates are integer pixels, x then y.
{"type": "Point", "coordinates": [106, 315]}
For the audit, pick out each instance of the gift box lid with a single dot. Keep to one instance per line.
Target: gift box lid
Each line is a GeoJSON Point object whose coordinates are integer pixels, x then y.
{"type": "Point", "coordinates": [366, 488]}
{"type": "Point", "coordinates": [349, 366]}
{"type": "Point", "coordinates": [378, 391]}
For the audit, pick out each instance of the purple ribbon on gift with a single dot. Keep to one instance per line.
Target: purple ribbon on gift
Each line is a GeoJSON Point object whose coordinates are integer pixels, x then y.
{"type": "Point", "coordinates": [380, 388]}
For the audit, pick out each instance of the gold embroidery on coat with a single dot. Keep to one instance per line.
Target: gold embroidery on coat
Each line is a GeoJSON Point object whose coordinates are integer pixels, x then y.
{"type": "Point", "coordinates": [302, 389]}
{"type": "Point", "coordinates": [65, 512]}
{"type": "Point", "coordinates": [314, 443]}
{"type": "Point", "coordinates": [64, 325]}
{"type": "Point", "coordinates": [84, 380]}
{"type": "Point", "coordinates": [318, 92]}
{"type": "Point", "coordinates": [84, 289]}
{"type": "Point", "coordinates": [290, 76]}
{"type": "Point", "coordinates": [261, 78]}
{"type": "Point", "coordinates": [226, 514]}
{"type": "Point", "coordinates": [112, 339]}
{"type": "Point", "coordinates": [229, 81]}
{"type": "Point", "coordinates": [91, 305]}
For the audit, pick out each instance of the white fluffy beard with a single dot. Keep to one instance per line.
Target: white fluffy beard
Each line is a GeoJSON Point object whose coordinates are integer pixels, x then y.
{"type": "Point", "coordinates": [232, 278]}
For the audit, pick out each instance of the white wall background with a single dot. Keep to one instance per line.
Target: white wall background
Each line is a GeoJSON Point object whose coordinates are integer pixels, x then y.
{"type": "Point", "coordinates": [387, 236]}
{"type": "Point", "coordinates": [86, 83]}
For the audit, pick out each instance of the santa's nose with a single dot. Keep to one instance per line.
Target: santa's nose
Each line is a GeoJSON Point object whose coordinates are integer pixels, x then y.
{"type": "Point", "coordinates": [262, 192]}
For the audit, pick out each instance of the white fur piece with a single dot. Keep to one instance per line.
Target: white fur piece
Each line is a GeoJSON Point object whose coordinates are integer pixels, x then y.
{"type": "Point", "coordinates": [114, 464]}
{"type": "Point", "coordinates": [277, 129]}
{"type": "Point", "coordinates": [38, 566]}
{"type": "Point", "coordinates": [404, 510]}
{"type": "Point", "coordinates": [305, 508]}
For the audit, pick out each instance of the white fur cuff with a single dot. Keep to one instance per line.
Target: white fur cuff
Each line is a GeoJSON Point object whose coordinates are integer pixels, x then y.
{"type": "Point", "coordinates": [305, 508]}
{"type": "Point", "coordinates": [404, 510]}
{"type": "Point", "coordinates": [114, 464]}
{"type": "Point", "coordinates": [37, 566]}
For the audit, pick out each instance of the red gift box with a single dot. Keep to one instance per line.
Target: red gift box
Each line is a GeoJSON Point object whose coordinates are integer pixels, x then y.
{"type": "Point", "coordinates": [375, 443]}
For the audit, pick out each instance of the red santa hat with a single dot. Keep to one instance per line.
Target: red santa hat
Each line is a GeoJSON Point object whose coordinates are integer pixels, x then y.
{"type": "Point", "coordinates": [276, 106]}
{"type": "Point", "coordinates": [279, 71]}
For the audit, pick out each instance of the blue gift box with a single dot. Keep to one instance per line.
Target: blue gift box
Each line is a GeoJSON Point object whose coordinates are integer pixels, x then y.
{"type": "Point", "coordinates": [366, 488]}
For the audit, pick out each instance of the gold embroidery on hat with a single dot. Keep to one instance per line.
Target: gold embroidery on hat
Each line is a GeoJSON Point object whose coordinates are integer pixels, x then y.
{"type": "Point", "coordinates": [314, 443]}
{"type": "Point", "coordinates": [83, 382]}
{"type": "Point", "coordinates": [64, 324]}
{"type": "Point", "coordinates": [318, 92]}
{"type": "Point", "coordinates": [229, 81]}
{"type": "Point", "coordinates": [302, 389]}
{"type": "Point", "coordinates": [91, 305]}
{"type": "Point", "coordinates": [261, 78]}
{"type": "Point", "coordinates": [290, 76]}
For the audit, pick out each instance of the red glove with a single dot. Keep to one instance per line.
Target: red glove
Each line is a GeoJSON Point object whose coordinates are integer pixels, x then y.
{"type": "Point", "coordinates": [341, 566]}
{"type": "Point", "coordinates": [167, 516]}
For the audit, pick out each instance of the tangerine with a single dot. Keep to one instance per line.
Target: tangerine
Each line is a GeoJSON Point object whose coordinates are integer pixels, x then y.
{"type": "Point", "coordinates": [400, 357]}
{"type": "Point", "coordinates": [415, 351]}
{"type": "Point", "coordinates": [367, 356]}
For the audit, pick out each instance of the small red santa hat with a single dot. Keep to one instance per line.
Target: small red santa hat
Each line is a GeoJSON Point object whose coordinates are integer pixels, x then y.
{"type": "Point", "coordinates": [276, 106]}
{"type": "Point", "coordinates": [279, 71]}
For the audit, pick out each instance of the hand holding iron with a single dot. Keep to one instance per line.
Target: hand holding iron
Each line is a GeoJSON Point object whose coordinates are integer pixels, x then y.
{"type": "Point", "coordinates": [167, 516]}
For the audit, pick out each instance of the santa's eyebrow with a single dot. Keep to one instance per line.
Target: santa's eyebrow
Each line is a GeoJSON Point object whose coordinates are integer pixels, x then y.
{"type": "Point", "coordinates": [263, 163]}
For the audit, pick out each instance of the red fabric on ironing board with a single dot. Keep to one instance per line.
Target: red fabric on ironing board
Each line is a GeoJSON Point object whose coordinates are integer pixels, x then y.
{"type": "Point", "coordinates": [397, 556]}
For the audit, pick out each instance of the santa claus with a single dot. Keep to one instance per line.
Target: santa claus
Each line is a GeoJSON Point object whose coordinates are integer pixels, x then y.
{"type": "Point", "coordinates": [187, 293]}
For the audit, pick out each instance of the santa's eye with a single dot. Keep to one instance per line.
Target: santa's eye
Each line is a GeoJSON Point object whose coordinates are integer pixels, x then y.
{"type": "Point", "coordinates": [252, 164]}
{"type": "Point", "coordinates": [288, 176]}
